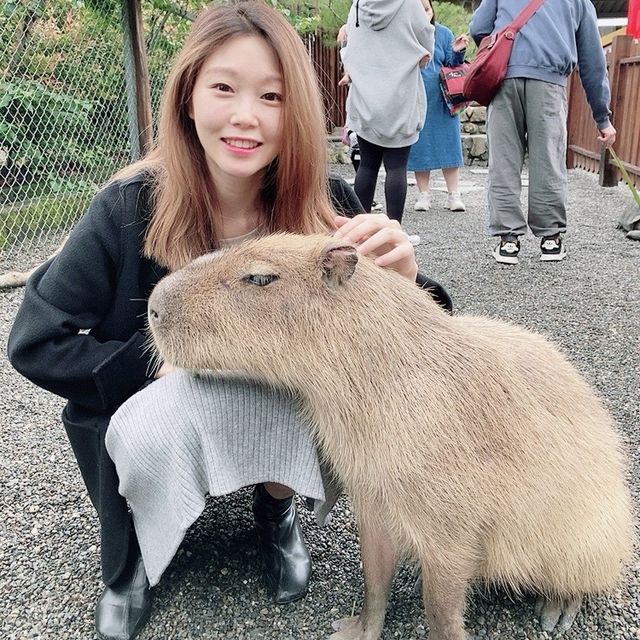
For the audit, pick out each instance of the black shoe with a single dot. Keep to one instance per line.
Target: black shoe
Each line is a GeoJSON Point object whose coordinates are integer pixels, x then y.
{"type": "Point", "coordinates": [552, 249]}
{"type": "Point", "coordinates": [507, 251]}
{"type": "Point", "coordinates": [286, 558]}
{"type": "Point", "coordinates": [123, 608]}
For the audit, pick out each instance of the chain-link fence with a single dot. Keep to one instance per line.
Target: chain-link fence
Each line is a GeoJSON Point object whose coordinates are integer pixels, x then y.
{"type": "Point", "coordinates": [67, 105]}
{"type": "Point", "coordinates": [65, 108]}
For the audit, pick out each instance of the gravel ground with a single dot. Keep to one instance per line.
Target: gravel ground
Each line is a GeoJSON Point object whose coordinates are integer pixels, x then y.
{"type": "Point", "coordinates": [49, 572]}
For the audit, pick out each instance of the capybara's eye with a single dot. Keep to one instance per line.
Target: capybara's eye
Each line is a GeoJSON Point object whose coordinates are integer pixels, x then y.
{"type": "Point", "coordinates": [261, 279]}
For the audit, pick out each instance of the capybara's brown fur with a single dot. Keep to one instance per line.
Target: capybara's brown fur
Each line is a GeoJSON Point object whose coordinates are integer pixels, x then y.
{"type": "Point", "coordinates": [471, 443]}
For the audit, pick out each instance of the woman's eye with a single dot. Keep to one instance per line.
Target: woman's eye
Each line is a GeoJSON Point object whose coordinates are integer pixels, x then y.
{"type": "Point", "coordinates": [221, 86]}
{"type": "Point", "coordinates": [272, 96]}
{"type": "Point", "coordinates": [261, 279]}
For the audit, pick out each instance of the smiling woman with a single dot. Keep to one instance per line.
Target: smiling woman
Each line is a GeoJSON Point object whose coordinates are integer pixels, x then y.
{"type": "Point", "coordinates": [236, 108]}
{"type": "Point", "coordinates": [241, 152]}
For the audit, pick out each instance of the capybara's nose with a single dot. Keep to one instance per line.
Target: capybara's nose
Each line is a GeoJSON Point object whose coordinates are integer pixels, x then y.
{"type": "Point", "coordinates": [155, 307]}
{"type": "Point", "coordinates": [155, 317]}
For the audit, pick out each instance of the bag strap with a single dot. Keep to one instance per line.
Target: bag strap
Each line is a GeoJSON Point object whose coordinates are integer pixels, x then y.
{"type": "Point", "coordinates": [522, 18]}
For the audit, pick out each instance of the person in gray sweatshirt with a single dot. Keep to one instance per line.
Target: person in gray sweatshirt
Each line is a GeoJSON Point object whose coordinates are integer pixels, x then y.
{"type": "Point", "coordinates": [387, 41]}
{"type": "Point", "coordinates": [529, 113]}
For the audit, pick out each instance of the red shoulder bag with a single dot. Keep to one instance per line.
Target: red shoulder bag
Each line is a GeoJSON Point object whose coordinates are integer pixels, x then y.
{"type": "Point", "coordinates": [487, 70]}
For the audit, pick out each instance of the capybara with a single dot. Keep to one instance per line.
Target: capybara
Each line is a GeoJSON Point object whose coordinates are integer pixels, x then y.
{"type": "Point", "coordinates": [466, 443]}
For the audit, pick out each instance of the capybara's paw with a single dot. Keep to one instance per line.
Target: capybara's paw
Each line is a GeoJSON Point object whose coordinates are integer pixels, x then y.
{"type": "Point", "coordinates": [352, 629]}
{"type": "Point", "coordinates": [557, 614]}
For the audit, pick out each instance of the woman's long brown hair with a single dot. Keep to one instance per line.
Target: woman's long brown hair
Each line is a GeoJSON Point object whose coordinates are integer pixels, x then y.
{"type": "Point", "coordinates": [294, 193]}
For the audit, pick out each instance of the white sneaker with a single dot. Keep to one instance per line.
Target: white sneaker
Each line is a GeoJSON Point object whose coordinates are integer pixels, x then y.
{"type": "Point", "coordinates": [454, 202]}
{"type": "Point", "coordinates": [376, 206]}
{"type": "Point", "coordinates": [414, 240]}
{"type": "Point", "coordinates": [423, 203]}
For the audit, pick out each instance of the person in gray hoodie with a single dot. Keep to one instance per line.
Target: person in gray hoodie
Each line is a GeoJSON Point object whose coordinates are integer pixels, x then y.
{"type": "Point", "coordinates": [387, 43]}
{"type": "Point", "coordinates": [529, 113]}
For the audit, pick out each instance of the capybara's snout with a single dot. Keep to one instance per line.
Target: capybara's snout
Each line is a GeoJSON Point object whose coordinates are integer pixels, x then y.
{"type": "Point", "coordinates": [157, 306]}
{"type": "Point", "coordinates": [164, 306]}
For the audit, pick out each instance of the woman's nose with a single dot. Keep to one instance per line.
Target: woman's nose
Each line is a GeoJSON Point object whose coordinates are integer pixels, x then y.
{"type": "Point", "coordinates": [244, 113]}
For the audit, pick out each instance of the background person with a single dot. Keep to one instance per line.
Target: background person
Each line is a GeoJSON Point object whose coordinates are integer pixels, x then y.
{"type": "Point", "coordinates": [386, 42]}
{"type": "Point", "coordinates": [439, 145]}
{"type": "Point", "coordinates": [529, 113]}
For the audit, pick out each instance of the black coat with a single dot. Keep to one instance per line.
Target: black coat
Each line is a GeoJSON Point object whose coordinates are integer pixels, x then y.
{"type": "Point", "coordinates": [80, 333]}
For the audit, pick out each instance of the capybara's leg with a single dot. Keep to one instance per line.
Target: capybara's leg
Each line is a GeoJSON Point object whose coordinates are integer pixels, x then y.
{"type": "Point", "coordinates": [378, 564]}
{"type": "Point", "coordinates": [444, 592]}
{"type": "Point", "coordinates": [557, 614]}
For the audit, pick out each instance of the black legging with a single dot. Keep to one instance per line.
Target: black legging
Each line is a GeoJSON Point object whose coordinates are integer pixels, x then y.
{"type": "Point", "coordinates": [395, 184]}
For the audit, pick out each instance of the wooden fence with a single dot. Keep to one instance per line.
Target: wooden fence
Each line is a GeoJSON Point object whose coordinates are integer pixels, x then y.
{"type": "Point", "coordinates": [583, 151]}
{"type": "Point", "coordinates": [326, 61]}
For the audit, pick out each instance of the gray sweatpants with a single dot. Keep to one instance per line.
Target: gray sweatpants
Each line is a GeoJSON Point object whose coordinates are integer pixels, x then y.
{"type": "Point", "coordinates": [528, 115]}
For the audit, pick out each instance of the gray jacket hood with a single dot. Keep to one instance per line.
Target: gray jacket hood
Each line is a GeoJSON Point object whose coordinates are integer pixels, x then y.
{"type": "Point", "coordinates": [376, 14]}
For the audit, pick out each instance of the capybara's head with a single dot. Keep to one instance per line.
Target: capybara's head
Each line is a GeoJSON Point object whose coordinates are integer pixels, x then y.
{"type": "Point", "coordinates": [254, 305]}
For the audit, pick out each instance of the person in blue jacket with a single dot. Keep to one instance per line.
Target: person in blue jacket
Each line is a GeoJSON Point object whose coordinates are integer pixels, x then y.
{"type": "Point", "coordinates": [439, 145]}
{"type": "Point", "coordinates": [529, 114]}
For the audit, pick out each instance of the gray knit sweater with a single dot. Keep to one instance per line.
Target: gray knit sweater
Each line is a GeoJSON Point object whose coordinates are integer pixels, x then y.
{"type": "Point", "coordinates": [186, 436]}
{"type": "Point", "coordinates": [386, 40]}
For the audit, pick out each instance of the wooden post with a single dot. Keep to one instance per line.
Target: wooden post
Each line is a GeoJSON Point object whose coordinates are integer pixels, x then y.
{"type": "Point", "coordinates": [620, 48]}
{"type": "Point", "coordinates": [137, 78]}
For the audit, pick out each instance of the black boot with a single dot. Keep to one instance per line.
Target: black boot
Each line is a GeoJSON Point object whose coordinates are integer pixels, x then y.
{"type": "Point", "coordinates": [286, 557]}
{"type": "Point", "coordinates": [124, 607]}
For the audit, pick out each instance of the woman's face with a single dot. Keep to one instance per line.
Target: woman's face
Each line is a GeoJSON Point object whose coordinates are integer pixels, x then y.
{"type": "Point", "coordinates": [428, 9]}
{"type": "Point", "coordinates": [237, 107]}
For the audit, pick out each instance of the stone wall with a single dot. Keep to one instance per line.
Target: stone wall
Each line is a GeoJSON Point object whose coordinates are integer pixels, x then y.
{"type": "Point", "coordinates": [473, 130]}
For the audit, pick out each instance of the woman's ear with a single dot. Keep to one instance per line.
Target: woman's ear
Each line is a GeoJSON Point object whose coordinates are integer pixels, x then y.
{"type": "Point", "coordinates": [338, 262]}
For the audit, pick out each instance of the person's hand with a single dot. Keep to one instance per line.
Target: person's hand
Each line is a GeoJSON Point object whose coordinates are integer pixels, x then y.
{"type": "Point", "coordinates": [424, 60]}
{"type": "Point", "coordinates": [607, 136]}
{"type": "Point", "coordinates": [164, 370]}
{"type": "Point", "coordinates": [461, 42]}
{"type": "Point", "coordinates": [378, 236]}
{"type": "Point", "coordinates": [345, 80]}
{"type": "Point", "coordinates": [342, 35]}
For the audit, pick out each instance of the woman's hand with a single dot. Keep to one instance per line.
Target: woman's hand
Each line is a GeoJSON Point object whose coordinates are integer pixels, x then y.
{"type": "Point", "coordinates": [378, 236]}
{"type": "Point", "coordinates": [341, 39]}
{"type": "Point", "coordinates": [461, 42]}
{"type": "Point", "coordinates": [164, 370]}
{"type": "Point", "coordinates": [345, 80]}
{"type": "Point", "coordinates": [424, 61]}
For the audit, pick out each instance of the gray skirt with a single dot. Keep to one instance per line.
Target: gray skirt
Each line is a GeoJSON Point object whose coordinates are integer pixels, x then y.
{"type": "Point", "coordinates": [186, 436]}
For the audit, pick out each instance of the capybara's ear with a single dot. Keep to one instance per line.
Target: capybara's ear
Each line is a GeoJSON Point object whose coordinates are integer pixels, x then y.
{"type": "Point", "coordinates": [338, 263]}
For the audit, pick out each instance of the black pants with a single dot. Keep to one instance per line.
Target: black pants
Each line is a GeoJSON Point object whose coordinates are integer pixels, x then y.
{"type": "Point", "coordinates": [395, 185]}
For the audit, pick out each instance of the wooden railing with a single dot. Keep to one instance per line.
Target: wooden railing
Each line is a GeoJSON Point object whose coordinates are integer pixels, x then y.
{"type": "Point", "coordinates": [583, 150]}
{"type": "Point", "coordinates": [326, 61]}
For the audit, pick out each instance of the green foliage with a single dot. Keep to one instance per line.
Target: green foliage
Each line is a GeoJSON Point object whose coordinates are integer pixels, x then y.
{"type": "Point", "coordinates": [27, 220]}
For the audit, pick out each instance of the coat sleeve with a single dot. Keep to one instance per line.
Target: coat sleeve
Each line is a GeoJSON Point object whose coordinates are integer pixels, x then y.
{"type": "Point", "coordinates": [343, 197]}
{"type": "Point", "coordinates": [427, 37]}
{"type": "Point", "coordinates": [592, 67]}
{"type": "Point", "coordinates": [483, 20]}
{"type": "Point", "coordinates": [51, 341]}
{"type": "Point", "coordinates": [451, 58]}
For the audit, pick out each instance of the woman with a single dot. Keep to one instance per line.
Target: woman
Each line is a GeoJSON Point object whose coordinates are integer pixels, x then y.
{"type": "Point", "coordinates": [386, 43]}
{"type": "Point", "coordinates": [439, 145]}
{"type": "Point", "coordinates": [241, 151]}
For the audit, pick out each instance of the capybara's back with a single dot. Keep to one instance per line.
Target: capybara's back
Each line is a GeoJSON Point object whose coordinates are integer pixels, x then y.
{"type": "Point", "coordinates": [471, 443]}
{"type": "Point", "coordinates": [553, 505]}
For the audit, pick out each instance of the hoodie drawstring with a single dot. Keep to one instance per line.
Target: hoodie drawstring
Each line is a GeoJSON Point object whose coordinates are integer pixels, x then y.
{"type": "Point", "coordinates": [357, 13]}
